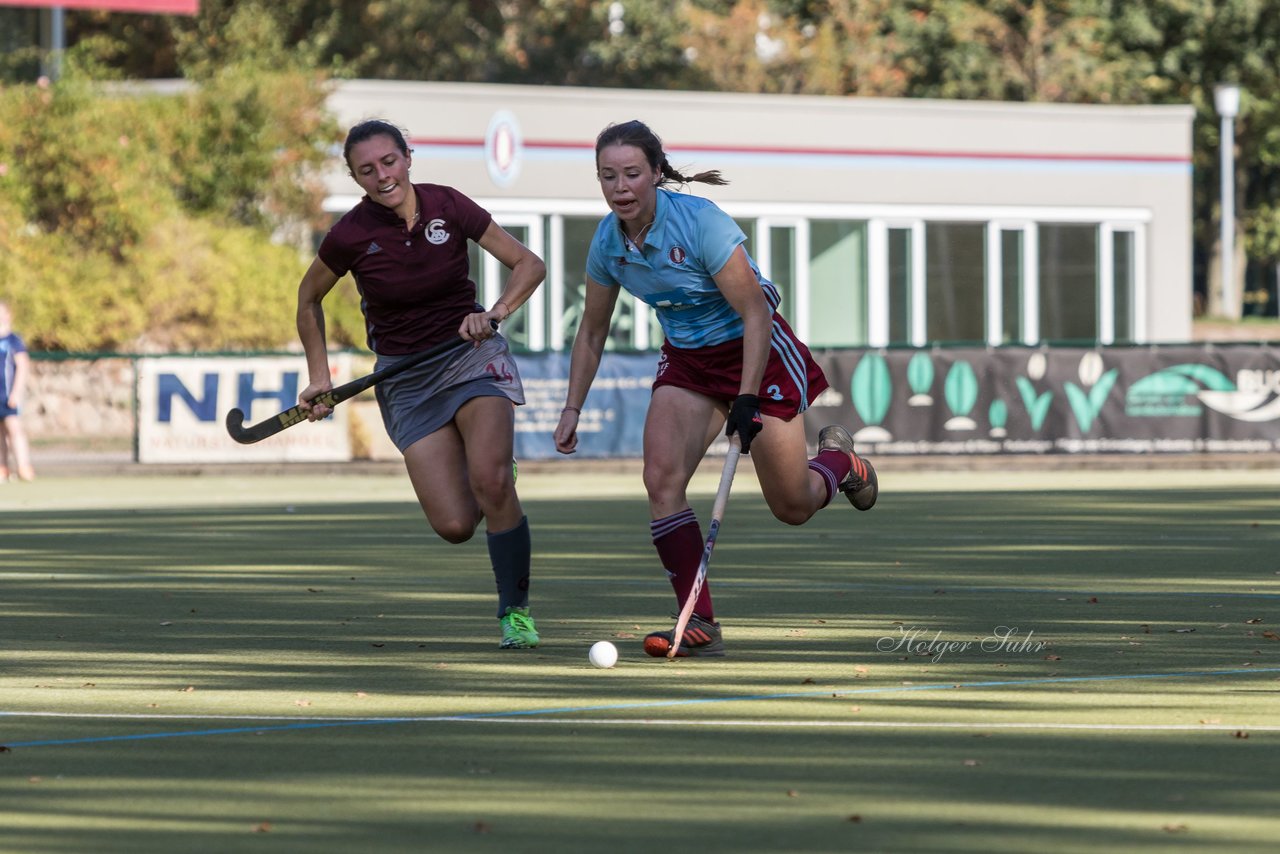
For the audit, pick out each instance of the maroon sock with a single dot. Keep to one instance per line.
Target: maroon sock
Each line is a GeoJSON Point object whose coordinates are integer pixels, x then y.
{"type": "Point", "coordinates": [678, 539]}
{"type": "Point", "coordinates": [834, 467]}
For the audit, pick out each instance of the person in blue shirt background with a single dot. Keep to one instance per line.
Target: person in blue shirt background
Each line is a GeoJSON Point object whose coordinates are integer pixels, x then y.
{"type": "Point", "coordinates": [729, 360]}
{"type": "Point", "coordinates": [14, 367]}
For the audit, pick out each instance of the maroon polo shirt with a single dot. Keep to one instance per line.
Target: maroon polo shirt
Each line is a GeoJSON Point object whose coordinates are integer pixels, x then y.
{"type": "Point", "coordinates": [415, 285]}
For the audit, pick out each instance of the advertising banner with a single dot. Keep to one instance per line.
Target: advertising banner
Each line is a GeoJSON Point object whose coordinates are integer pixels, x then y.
{"type": "Point", "coordinates": [1139, 400]}
{"type": "Point", "coordinates": [183, 404]}
{"type": "Point", "coordinates": [612, 421]}
{"type": "Point", "coordinates": [1062, 400]}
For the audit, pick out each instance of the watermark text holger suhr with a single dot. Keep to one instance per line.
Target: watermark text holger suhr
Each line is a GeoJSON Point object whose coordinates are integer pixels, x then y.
{"type": "Point", "coordinates": [917, 641]}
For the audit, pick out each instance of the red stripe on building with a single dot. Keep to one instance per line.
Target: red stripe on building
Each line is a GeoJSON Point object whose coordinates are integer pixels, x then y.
{"type": "Point", "coordinates": [552, 145]}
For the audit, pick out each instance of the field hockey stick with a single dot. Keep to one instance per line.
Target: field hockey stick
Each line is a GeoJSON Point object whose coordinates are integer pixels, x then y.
{"type": "Point", "coordinates": [717, 514]}
{"type": "Point", "coordinates": [332, 397]}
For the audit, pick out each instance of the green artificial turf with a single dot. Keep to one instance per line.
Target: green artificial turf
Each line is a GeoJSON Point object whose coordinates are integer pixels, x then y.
{"type": "Point", "coordinates": [982, 663]}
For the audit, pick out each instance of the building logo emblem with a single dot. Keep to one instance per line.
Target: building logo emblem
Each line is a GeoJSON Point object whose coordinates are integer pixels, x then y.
{"type": "Point", "coordinates": [503, 149]}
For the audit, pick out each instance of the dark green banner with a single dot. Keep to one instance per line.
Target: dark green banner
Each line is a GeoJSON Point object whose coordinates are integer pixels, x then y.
{"type": "Point", "coordinates": [1140, 400]}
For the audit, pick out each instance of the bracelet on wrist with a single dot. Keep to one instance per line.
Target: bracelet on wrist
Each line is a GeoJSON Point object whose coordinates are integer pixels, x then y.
{"type": "Point", "coordinates": [506, 312]}
{"type": "Point", "coordinates": [573, 409]}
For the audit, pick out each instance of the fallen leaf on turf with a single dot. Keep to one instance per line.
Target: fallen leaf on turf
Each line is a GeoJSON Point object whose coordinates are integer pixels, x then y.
{"type": "Point", "coordinates": [1182, 631]}
{"type": "Point", "coordinates": [378, 645]}
{"type": "Point", "coordinates": [859, 669]}
{"type": "Point", "coordinates": [854, 819]}
{"type": "Point", "coordinates": [4, 749]}
{"type": "Point", "coordinates": [313, 590]}
{"type": "Point", "coordinates": [481, 827]}
{"type": "Point", "coordinates": [624, 635]}
{"type": "Point", "coordinates": [262, 827]}
{"type": "Point", "coordinates": [1093, 600]}
{"type": "Point", "coordinates": [806, 681]}
{"type": "Point", "coordinates": [792, 793]}
{"type": "Point", "coordinates": [1270, 635]}
{"type": "Point", "coordinates": [188, 689]}
{"type": "Point", "coordinates": [167, 623]}
{"type": "Point", "coordinates": [855, 708]}
{"type": "Point", "coordinates": [1254, 620]}
{"type": "Point", "coordinates": [302, 703]}
{"type": "Point", "coordinates": [1053, 658]}
{"type": "Point", "coordinates": [35, 779]}
{"type": "Point", "coordinates": [1211, 720]}
{"type": "Point", "coordinates": [361, 694]}
{"type": "Point", "coordinates": [1241, 734]}
{"type": "Point", "coordinates": [1174, 828]}
{"type": "Point", "coordinates": [972, 763]}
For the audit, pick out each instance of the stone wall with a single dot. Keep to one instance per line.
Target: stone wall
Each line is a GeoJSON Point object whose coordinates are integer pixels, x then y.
{"type": "Point", "coordinates": [79, 398]}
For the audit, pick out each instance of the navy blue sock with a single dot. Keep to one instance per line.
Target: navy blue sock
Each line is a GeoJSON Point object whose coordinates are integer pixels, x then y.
{"type": "Point", "coordinates": [511, 552]}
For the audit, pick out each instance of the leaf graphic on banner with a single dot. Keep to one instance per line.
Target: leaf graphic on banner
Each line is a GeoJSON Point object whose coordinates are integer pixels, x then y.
{"type": "Point", "coordinates": [1086, 406]}
{"type": "Point", "coordinates": [998, 415]}
{"type": "Point", "coordinates": [961, 388]}
{"type": "Point", "coordinates": [1037, 406]}
{"type": "Point", "coordinates": [871, 388]}
{"type": "Point", "coordinates": [1210, 377]}
{"type": "Point", "coordinates": [920, 373]}
{"type": "Point", "coordinates": [1098, 394]}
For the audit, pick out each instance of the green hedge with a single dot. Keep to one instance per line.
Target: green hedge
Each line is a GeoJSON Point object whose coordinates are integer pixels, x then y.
{"type": "Point", "coordinates": [133, 221]}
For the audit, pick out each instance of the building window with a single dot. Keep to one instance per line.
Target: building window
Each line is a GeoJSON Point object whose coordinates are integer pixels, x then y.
{"type": "Point", "coordinates": [578, 232]}
{"type": "Point", "coordinates": [1068, 282]}
{"type": "Point", "coordinates": [955, 281]}
{"type": "Point", "coordinates": [1123, 282]}
{"type": "Point", "coordinates": [1012, 307]}
{"type": "Point", "coordinates": [900, 278]}
{"type": "Point", "coordinates": [838, 283]}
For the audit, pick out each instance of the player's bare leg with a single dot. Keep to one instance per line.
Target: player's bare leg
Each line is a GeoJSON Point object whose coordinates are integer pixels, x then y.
{"type": "Point", "coordinates": [678, 429]}
{"type": "Point", "coordinates": [680, 426]}
{"type": "Point", "coordinates": [437, 466]}
{"type": "Point", "coordinates": [793, 491]}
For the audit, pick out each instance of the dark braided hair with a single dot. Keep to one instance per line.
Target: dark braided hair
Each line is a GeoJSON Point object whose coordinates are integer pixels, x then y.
{"type": "Point", "coordinates": [637, 133]}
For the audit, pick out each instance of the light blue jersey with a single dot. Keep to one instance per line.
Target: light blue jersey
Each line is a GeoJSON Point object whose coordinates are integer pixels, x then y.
{"type": "Point", "coordinates": [689, 242]}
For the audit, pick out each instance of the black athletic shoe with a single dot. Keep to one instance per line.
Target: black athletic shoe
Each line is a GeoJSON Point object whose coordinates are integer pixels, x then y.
{"type": "Point", "coordinates": [860, 485]}
{"type": "Point", "coordinates": [701, 638]}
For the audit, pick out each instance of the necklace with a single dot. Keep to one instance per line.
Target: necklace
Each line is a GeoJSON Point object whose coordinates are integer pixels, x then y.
{"type": "Point", "coordinates": [639, 238]}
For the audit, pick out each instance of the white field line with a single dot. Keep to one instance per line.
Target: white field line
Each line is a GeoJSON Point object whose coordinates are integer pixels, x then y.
{"type": "Point", "coordinates": [700, 722]}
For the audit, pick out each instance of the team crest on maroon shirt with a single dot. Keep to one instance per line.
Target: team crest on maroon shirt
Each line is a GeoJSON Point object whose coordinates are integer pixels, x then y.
{"type": "Point", "coordinates": [436, 233]}
{"type": "Point", "coordinates": [677, 255]}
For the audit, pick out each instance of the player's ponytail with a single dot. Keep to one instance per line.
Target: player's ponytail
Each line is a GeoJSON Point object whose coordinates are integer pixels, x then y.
{"type": "Point", "coordinates": [637, 133]}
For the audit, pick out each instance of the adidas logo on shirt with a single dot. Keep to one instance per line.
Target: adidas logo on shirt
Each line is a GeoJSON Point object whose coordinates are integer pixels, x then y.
{"type": "Point", "coordinates": [373, 249]}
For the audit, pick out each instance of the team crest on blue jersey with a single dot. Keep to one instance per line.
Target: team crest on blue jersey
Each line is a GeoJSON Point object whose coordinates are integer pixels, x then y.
{"type": "Point", "coordinates": [677, 255]}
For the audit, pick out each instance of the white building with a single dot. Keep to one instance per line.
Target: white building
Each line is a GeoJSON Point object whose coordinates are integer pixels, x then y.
{"type": "Point", "coordinates": [884, 222]}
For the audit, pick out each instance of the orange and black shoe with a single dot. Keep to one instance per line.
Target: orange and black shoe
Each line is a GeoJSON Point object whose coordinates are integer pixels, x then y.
{"type": "Point", "coordinates": [860, 485]}
{"type": "Point", "coordinates": [701, 638]}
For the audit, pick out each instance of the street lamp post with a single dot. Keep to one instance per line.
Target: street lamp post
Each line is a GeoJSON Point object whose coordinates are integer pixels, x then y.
{"type": "Point", "coordinates": [1226, 97]}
